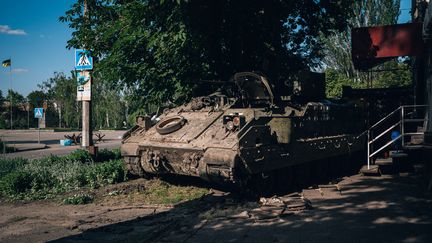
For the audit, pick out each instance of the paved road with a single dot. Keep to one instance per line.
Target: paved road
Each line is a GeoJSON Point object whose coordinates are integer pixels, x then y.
{"type": "Point", "coordinates": [29, 138]}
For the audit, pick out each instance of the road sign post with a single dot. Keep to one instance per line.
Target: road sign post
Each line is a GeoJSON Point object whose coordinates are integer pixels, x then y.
{"type": "Point", "coordinates": [83, 86]}
{"type": "Point", "coordinates": [38, 113]}
{"type": "Point", "coordinates": [83, 60]}
{"type": "Point", "coordinates": [84, 63]}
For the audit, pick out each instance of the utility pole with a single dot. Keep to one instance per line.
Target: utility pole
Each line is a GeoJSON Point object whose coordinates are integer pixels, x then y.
{"type": "Point", "coordinates": [86, 140]}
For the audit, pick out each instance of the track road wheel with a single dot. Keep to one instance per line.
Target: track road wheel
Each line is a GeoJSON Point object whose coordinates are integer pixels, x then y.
{"type": "Point", "coordinates": [133, 166]}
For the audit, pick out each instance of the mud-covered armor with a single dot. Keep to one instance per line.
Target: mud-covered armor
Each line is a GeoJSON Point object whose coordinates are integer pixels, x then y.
{"type": "Point", "coordinates": [231, 139]}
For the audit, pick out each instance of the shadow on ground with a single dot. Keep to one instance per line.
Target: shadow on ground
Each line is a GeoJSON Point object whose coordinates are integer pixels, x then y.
{"type": "Point", "coordinates": [367, 209]}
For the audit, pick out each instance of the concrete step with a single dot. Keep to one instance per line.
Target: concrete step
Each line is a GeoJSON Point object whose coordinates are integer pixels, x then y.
{"type": "Point", "coordinates": [384, 161]}
{"type": "Point", "coordinates": [398, 161]}
{"type": "Point", "coordinates": [27, 146]}
{"type": "Point", "coordinates": [373, 170]}
{"type": "Point", "coordinates": [397, 154]}
{"type": "Point", "coordinates": [386, 166]}
{"type": "Point", "coordinates": [417, 146]}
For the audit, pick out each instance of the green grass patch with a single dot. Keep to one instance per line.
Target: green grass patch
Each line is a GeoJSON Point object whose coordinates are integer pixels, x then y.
{"type": "Point", "coordinates": [46, 177]}
{"type": "Point", "coordinates": [160, 192]}
{"type": "Point", "coordinates": [78, 199]}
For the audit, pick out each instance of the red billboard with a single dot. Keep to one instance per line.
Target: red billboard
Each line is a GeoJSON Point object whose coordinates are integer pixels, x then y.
{"type": "Point", "coordinates": [371, 44]}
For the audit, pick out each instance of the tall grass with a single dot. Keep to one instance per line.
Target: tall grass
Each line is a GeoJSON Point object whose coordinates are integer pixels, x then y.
{"type": "Point", "coordinates": [43, 178]}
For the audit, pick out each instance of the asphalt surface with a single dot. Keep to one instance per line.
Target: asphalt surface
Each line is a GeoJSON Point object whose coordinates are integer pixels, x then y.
{"type": "Point", "coordinates": [26, 141]}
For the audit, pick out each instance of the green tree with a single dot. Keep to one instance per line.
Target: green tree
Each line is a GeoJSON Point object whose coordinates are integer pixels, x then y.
{"type": "Point", "coordinates": [60, 93]}
{"type": "Point", "coordinates": [400, 76]}
{"type": "Point", "coordinates": [3, 112]}
{"type": "Point", "coordinates": [35, 99]}
{"type": "Point", "coordinates": [15, 97]}
{"type": "Point", "coordinates": [153, 48]}
{"type": "Point", "coordinates": [108, 106]}
{"type": "Point", "coordinates": [19, 113]}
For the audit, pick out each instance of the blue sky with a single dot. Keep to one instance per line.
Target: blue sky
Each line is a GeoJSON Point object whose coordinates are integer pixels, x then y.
{"type": "Point", "coordinates": [32, 36]}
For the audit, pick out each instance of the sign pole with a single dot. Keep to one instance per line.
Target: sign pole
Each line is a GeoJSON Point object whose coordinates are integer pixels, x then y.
{"type": "Point", "coordinates": [39, 121]}
{"type": "Point", "coordinates": [39, 114]}
{"type": "Point", "coordinates": [28, 114]}
{"type": "Point", "coordinates": [86, 109]}
{"type": "Point", "coordinates": [86, 121]}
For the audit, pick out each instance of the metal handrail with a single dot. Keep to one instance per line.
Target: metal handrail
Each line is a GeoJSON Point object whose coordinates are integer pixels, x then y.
{"type": "Point", "coordinates": [362, 134]}
{"type": "Point", "coordinates": [401, 136]}
{"type": "Point", "coordinates": [413, 133]}
{"type": "Point", "coordinates": [413, 106]}
{"type": "Point", "coordinates": [415, 120]}
{"type": "Point", "coordinates": [386, 131]}
{"type": "Point", "coordinates": [385, 146]}
{"type": "Point", "coordinates": [385, 118]}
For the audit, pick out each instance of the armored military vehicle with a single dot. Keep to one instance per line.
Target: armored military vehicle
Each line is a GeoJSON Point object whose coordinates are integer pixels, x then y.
{"type": "Point", "coordinates": [246, 136]}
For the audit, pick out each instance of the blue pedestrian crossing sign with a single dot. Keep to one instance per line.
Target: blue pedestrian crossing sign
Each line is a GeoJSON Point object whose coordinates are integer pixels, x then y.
{"type": "Point", "coordinates": [38, 112]}
{"type": "Point", "coordinates": [83, 60]}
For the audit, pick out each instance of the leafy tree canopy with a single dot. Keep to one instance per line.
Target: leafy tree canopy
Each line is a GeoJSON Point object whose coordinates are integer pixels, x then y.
{"type": "Point", "coordinates": [154, 48]}
{"type": "Point", "coordinates": [36, 98]}
{"type": "Point", "coordinates": [15, 97]}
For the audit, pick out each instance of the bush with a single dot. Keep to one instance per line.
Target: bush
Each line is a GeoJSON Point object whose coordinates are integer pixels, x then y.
{"type": "Point", "coordinates": [106, 173]}
{"type": "Point", "coordinates": [42, 178]}
{"type": "Point", "coordinates": [9, 165]}
{"type": "Point", "coordinates": [57, 174]}
{"type": "Point", "coordinates": [105, 154]}
{"type": "Point", "coordinates": [80, 155]}
{"type": "Point", "coordinates": [16, 182]}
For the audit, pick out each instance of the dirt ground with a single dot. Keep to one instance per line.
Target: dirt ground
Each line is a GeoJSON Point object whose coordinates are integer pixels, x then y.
{"type": "Point", "coordinates": [390, 208]}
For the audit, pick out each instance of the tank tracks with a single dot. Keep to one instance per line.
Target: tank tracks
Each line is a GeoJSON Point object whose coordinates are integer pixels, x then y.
{"type": "Point", "coordinates": [133, 166]}
{"type": "Point", "coordinates": [281, 181]}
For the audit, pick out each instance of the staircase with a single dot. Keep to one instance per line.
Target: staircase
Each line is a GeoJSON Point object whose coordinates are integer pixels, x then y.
{"type": "Point", "coordinates": [400, 131]}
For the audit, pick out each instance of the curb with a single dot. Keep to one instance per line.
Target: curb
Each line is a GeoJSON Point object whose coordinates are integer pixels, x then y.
{"type": "Point", "coordinates": [23, 148]}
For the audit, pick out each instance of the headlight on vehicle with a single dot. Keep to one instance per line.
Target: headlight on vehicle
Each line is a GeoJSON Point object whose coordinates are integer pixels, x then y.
{"type": "Point", "coordinates": [229, 125]}
{"type": "Point", "coordinates": [233, 122]}
{"type": "Point", "coordinates": [236, 121]}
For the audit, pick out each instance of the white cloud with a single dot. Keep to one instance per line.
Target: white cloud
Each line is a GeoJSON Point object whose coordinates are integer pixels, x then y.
{"type": "Point", "coordinates": [19, 70]}
{"type": "Point", "coordinates": [5, 29]}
